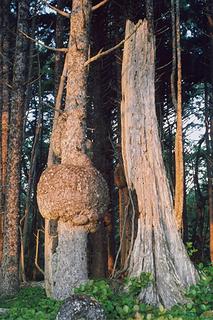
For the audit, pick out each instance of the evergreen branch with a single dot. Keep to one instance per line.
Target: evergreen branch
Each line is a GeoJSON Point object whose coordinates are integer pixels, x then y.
{"type": "Point", "coordinates": [101, 53]}
{"type": "Point", "coordinates": [39, 42]}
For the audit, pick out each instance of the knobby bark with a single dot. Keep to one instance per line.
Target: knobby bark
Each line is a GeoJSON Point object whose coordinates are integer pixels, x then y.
{"type": "Point", "coordinates": [158, 248]}
{"type": "Point", "coordinates": [10, 264]}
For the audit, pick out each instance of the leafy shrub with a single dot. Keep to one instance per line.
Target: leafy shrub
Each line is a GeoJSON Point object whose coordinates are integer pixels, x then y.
{"type": "Point", "coordinates": [122, 303]}
{"type": "Point", "coordinates": [30, 304]}
{"type": "Point", "coordinates": [119, 299]}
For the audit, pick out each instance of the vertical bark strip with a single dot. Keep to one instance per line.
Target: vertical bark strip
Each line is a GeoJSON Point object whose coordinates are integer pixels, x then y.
{"type": "Point", "coordinates": [10, 265]}
{"type": "Point", "coordinates": [158, 248]}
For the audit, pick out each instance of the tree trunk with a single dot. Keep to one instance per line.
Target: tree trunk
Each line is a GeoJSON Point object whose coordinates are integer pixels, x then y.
{"type": "Point", "coordinates": [4, 111]}
{"type": "Point", "coordinates": [209, 133]}
{"type": "Point", "coordinates": [158, 248]}
{"type": "Point", "coordinates": [1, 103]}
{"type": "Point", "coordinates": [81, 194]}
{"type": "Point", "coordinates": [177, 102]}
{"type": "Point", "coordinates": [10, 265]}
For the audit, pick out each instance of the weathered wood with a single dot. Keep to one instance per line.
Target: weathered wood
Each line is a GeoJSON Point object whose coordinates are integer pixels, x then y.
{"type": "Point", "coordinates": [158, 248]}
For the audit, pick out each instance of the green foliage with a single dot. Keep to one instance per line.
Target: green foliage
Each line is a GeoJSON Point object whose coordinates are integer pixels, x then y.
{"type": "Point", "coordinates": [121, 302]}
{"type": "Point", "coordinates": [190, 249]}
{"type": "Point", "coordinates": [119, 299]}
{"type": "Point", "coordinates": [31, 304]}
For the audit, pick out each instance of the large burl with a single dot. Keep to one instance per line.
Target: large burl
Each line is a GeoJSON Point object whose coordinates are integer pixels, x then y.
{"type": "Point", "coordinates": [75, 194]}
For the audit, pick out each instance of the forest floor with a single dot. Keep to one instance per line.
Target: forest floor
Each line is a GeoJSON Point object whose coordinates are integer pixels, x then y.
{"type": "Point", "coordinates": [31, 302]}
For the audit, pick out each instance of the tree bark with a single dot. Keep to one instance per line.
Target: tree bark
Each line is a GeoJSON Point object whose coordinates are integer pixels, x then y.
{"type": "Point", "coordinates": [158, 248]}
{"type": "Point", "coordinates": [9, 283]}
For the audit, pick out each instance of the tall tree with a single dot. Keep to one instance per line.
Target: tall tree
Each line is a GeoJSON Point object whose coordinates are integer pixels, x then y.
{"type": "Point", "coordinates": [158, 248]}
{"type": "Point", "coordinates": [9, 283]}
{"type": "Point", "coordinates": [73, 192]}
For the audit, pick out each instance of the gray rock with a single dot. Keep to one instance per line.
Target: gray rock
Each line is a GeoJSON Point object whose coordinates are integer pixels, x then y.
{"type": "Point", "coordinates": [81, 307]}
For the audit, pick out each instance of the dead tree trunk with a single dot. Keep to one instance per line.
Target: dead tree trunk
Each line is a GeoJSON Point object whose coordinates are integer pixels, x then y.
{"type": "Point", "coordinates": [158, 248]}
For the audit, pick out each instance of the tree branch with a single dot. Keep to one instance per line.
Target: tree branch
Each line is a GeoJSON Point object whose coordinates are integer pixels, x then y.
{"type": "Point", "coordinates": [61, 12]}
{"type": "Point", "coordinates": [101, 53]}
{"type": "Point", "coordinates": [99, 5]}
{"type": "Point", "coordinates": [36, 253]}
{"type": "Point", "coordinates": [39, 42]}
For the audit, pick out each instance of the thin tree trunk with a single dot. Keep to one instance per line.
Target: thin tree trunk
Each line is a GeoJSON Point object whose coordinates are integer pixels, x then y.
{"type": "Point", "coordinates": [209, 164]}
{"type": "Point", "coordinates": [9, 283]}
{"type": "Point", "coordinates": [5, 108]}
{"type": "Point", "coordinates": [158, 248]}
{"type": "Point", "coordinates": [209, 133]}
{"type": "Point", "coordinates": [177, 102]}
{"type": "Point", "coordinates": [1, 103]}
{"type": "Point", "coordinates": [179, 169]}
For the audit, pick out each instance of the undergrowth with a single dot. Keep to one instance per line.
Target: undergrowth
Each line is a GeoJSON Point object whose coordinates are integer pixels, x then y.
{"type": "Point", "coordinates": [118, 301]}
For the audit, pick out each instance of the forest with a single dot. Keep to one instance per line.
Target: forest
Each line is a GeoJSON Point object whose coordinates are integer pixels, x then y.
{"type": "Point", "coordinates": [106, 159]}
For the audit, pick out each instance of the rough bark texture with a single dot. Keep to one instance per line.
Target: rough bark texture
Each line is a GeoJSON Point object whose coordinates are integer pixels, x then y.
{"type": "Point", "coordinates": [9, 282]}
{"type": "Point", "coordinates": [70, 260]}
{"type": "Point", "coordinates": [158, 248]}
{"type": "Point", "coordinates": [73, 192]}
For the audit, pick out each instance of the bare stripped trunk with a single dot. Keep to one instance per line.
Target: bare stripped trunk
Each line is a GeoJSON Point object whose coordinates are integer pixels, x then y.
{"type": "Point", "coordinates": [158, 248]}
{"type": "Point", "coordinates": [10, 264]}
